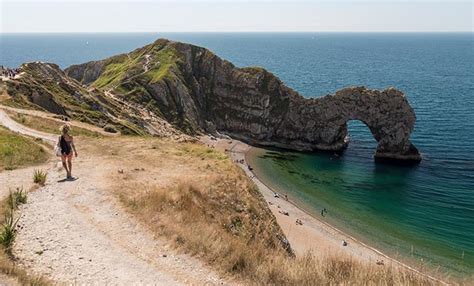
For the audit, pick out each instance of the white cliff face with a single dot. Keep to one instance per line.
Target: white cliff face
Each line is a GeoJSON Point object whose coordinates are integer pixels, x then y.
{"type": "Point", "coordinates": [204, 92]}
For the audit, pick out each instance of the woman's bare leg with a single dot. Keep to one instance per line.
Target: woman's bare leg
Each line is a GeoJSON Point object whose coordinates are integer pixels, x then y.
{"type": "Point", "coordinates": [69, 164]}
{"type": "Point", "coordinates": [66, 167]}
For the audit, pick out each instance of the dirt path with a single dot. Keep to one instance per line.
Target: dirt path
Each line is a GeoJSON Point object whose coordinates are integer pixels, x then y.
{"type": "Point", "coordinates": [16, 127]}
{"type": "Point", "coordinates": [146, 67]}
{"type": "Point", "coordinates": [50, 116]}
{"type": "Point", "coordinates": [77, 233]}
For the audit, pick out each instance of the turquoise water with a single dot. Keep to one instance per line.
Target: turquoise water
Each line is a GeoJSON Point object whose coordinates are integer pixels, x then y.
{"type": "Point", "coordinates": [428, 208]}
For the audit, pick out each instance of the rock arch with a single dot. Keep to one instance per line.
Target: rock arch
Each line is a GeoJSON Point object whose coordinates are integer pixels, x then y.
{"type": "Point", "coordinates": [388, 116]}
{"type": "Point", "coordinates": [386, 113]}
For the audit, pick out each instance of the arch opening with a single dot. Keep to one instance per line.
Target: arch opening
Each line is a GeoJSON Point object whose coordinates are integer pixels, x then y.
{"type": "Point", "coordinates": [360, 139]}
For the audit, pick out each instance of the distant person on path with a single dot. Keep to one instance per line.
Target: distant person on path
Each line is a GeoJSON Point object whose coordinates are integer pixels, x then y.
{"type": "Point", "coordinates": [66, 144]}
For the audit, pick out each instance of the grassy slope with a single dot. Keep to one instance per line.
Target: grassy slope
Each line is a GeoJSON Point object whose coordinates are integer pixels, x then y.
{"type": "Point", "coordinates": [34, 81]}
{"type": "Point", "coordinates": [121, 68]}
{"type": "Point", "coordinates": [127, 76]}
{"type": "Point", "coordinates": [208, 207]}
{"type": "Point", "coordinates": [137, 75]}
{"type": "Point", "coordinates": [17, 151]}
{"type": "Point", "coordinates": [58, 94]}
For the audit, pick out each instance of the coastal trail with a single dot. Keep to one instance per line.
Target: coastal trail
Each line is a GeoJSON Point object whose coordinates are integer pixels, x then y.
{"type": "Point", "coordinates": [77, 231]}
{"type": "Point", "coordinates": [11, 124]}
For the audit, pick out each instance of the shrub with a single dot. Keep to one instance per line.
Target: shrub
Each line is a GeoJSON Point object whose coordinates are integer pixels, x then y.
{"type": "Point", "coordinates": [16, 198]}
{"type": "Point", "coordinates": [8, 228]}
{"type": "Point", "coordinates": [8, 232]}
{"type": "Point", "coordinates": [39, 177]}
{"type": "Point", "coordinates": [110, 128]}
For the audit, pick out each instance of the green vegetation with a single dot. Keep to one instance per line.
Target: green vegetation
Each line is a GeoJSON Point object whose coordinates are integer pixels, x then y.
{"type": "Point", "coordinates": [165, 60]}
{"type": "Point", "coordinates": [127, 128]}
{"type": "Point", "coordinates": [49, 125]}
{"type": "Point", "coordinates": [110, 128]}
{"type": "Point", "coordinates": [199, 152]}
{"type": "Point", "coordinates": [39, 177]}
{"type": "Point", "coordinates": [118, 68]}
{"type": "Point", "coordinates": [127, 75]}
{"type": "Point", "coordinates": [8, 230]}
{"type": "Point", "coordinates": [113, 74]}
{"type": "Point", "coordinates": [55, 93]}
{"type": "Point", "coordinates": [18, 151]}
{"type": "Point", "coordinates": [16, 198]}
{"type": "Point", "coordinates": [161, 60]}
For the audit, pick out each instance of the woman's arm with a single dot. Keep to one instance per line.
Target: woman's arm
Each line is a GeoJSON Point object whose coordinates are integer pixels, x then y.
{"type": "Point", "coordinates": [73, 146]}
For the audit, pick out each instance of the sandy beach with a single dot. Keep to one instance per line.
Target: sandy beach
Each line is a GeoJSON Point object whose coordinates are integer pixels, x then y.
{"type": "Point", "coordinates": [312, 235]}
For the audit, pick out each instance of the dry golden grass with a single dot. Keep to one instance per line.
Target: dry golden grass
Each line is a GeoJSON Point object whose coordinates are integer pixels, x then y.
{"type": "Point", "coordinates": [223, 236]}
{"type": "Point", "coordinates": [208, 207]}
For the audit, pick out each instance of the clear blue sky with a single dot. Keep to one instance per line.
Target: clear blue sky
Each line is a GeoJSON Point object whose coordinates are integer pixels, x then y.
{"type": "Point", "coordinates": [235, 16]}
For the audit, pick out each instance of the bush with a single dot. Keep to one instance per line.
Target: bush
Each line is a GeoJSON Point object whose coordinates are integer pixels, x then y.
{"type": "Point", "coordinates": [16, 198]}
{"type": "Point", "coordinates": [110, 128]}
{"type": "Point", "coordinates": [39, 177]}
{"type": "Point", "coordinates": [8, 233]}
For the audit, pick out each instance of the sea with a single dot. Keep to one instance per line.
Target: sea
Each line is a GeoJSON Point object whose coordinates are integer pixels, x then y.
{"type": "Point", "coordinates": [421, 214]}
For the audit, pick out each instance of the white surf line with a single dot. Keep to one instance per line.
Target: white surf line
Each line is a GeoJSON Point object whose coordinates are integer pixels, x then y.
{"type": "Point", "coordinates": [255, 177]}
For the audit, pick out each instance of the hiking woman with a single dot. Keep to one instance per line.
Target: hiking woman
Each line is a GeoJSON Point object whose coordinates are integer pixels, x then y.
{"type": "Point", "coordinates": [66, 145]}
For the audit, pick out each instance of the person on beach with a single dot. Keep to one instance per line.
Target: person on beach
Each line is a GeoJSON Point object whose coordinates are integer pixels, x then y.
{"type": "Point", "coordinates": [324, 211]}
{"type": "Point", "coordinates": [66, 145]}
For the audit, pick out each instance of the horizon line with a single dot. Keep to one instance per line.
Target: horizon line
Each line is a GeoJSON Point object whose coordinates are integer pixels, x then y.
{"type": "Point", "coordinates": [235, 32]}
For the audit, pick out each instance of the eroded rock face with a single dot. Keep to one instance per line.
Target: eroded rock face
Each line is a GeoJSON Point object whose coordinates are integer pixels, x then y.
{"type": "Point", "coordinates": [203, 92]}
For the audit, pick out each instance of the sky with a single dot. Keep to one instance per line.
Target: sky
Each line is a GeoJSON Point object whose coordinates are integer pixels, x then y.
{"type": "Point", "coordinates": [33, 16]}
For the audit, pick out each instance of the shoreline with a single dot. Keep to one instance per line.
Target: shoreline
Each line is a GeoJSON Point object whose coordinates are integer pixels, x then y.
{"type": "Point", "coordinates": [313, 235]}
